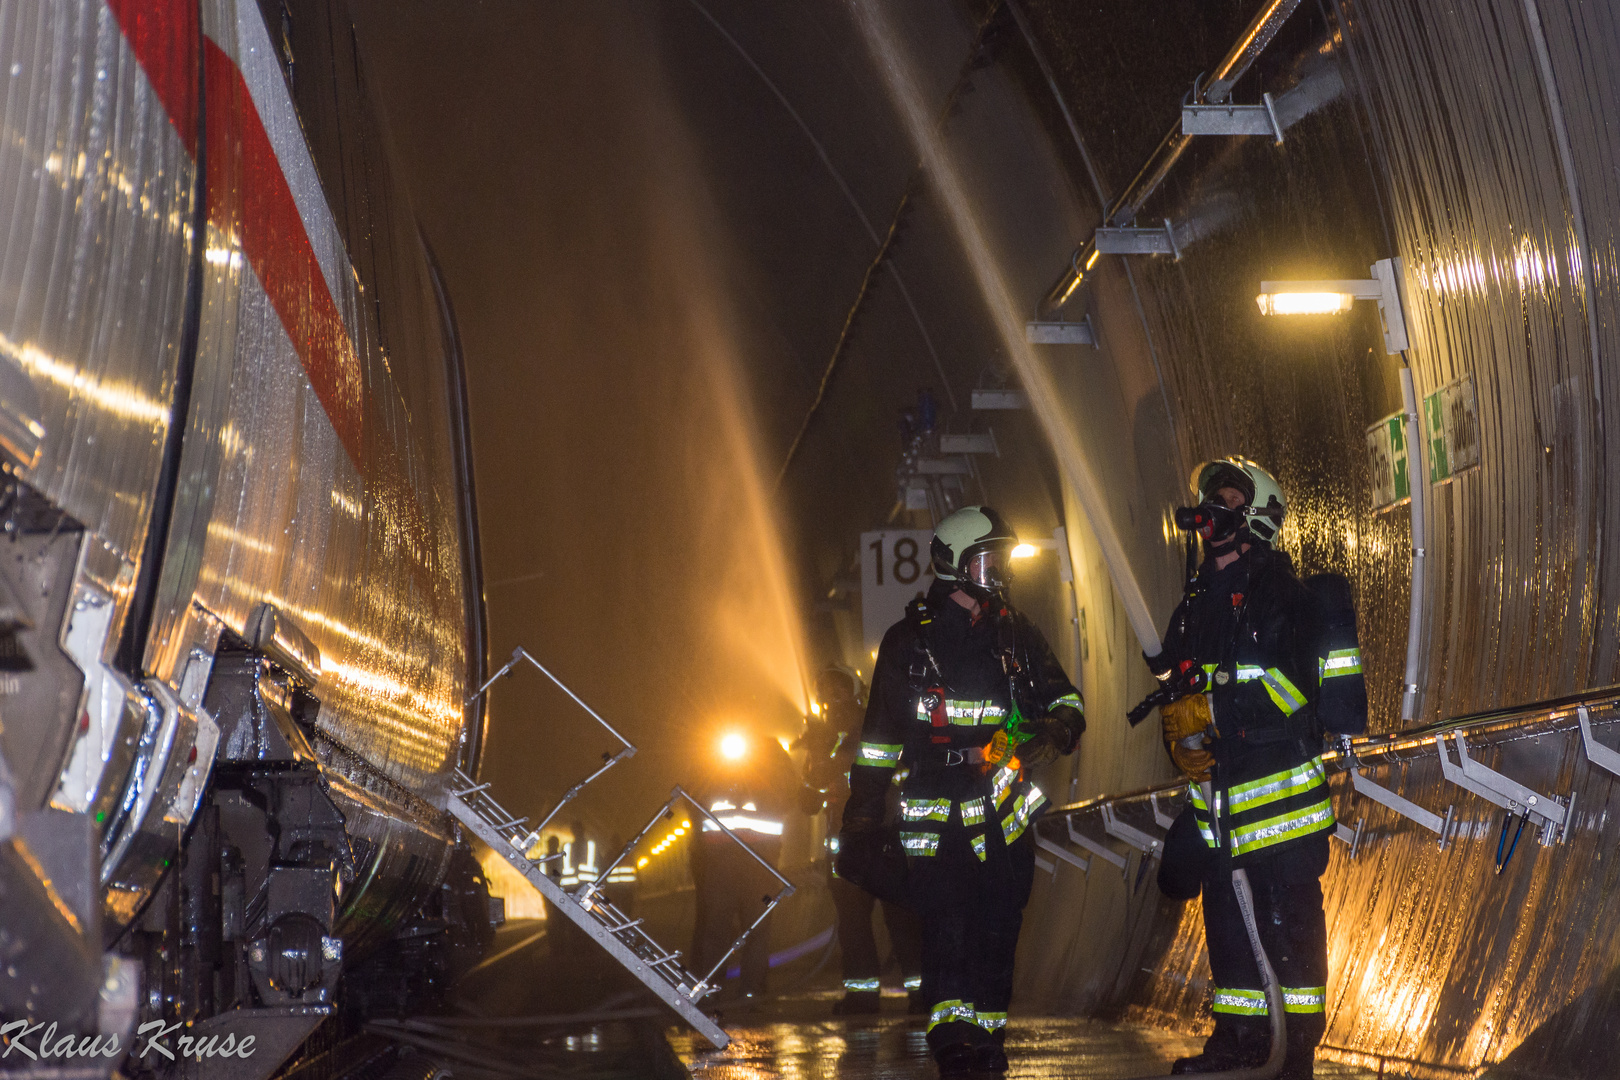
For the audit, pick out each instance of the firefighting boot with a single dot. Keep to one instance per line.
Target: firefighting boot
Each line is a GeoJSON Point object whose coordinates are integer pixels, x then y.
{"type": "Point", "coordinates": [990, 1060]}
{"type": "Point", "coordinates": [1304, 1032]}
{"type": "Point", "coordinates": [956, 1061]}
{"type": "Point", "coordinates": [1234, 1045]}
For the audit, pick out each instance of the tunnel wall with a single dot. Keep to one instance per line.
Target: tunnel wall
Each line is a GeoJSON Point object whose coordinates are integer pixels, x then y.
{"type": "Point", "coordinates": [1484, 159]}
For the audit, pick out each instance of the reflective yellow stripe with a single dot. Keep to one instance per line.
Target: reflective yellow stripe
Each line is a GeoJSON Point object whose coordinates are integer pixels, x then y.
{"type": "Point", "coordinates": [1071, 700]}
{"type": "Point", "coordinates": [1249, 673]}
{"type": "Point", "coordinates": [1279, 785]}
{"type": "Point", "coordinates": [947, 1012]}
{"type": "Point", "coordinates": [1341, 662]}
{"type": "Point", "coordinates": [1023, 811]}
{"type": "Point", "coordinates": [862, 986]}
{"type": "Point", "coordinates": [978, 846]}
{"type": "Point", "coordinates": [925, 809]}
{"type": "Point", "coordinates": [1284, 694]}
{"type": "Point", "coordinates": [1304, 999]}
{"type": "Point", "coordinates": [1283, 827]}
{"type": "Point", "coordinates": [872, 753]}
{"type": "Point", "coordinates": [990, 1021]}
{"type": "Point", "coordinates": [973, 811]}
{"type": "Point", "coordinates": [913, 982]}
{"type": "Point", "coordinates": [1000, 784]}
{"type": "Point", "coordinates": [965, 713]}
{"type": "Point", "coordinates": [1195, 792]}
{"type": "Point", "coordinates": [920, 843]}
{"type": "Point", "coordinates": [1296, 999]}
{"type": "Point", "coordinates": [1240, 1002]}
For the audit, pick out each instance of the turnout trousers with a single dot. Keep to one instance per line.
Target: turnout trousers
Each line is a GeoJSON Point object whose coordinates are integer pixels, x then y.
{"type": "Point", "coordinates": [1293, 930]}
{"type": "Point", "coordinates": [863, 967]}
{"type": "Point", "coordinates": [971, 909]}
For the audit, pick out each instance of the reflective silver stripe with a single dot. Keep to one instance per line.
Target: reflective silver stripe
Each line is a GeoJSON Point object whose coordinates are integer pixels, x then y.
{"type": "Point", "coordinates": [947, 1012]}
{"type": "Point", "coordinates": [1023, 811]}
{"type": "Point", "coordinates": [1278, 785]}
{"type": "Point", "coordinates": [990, 1021]}
{"type": "Point", "coordinates": [879, 753]}
{"type": "Point", "coordinates": [1000, 784]}
{"type": "Point", "coordinates": [1284, 693]}
{"type": "Point", "coordinates": [920, 843]}
{"type": "Point", "coordinates": [925, 809]}
{"type": "Point", "coordinates": [862, 986]}
{"type": "Point", "coordinates": [1072, 700]}
{"type": "Point", "coordinates": [978, 846]}
{"type": "Point", "coordinates": [1241, 1002]}
{"type": "Point", "coordinates": [1341, 662]}
{"type": "Point", "coordinates": [1196, 794]}
{"type": "Point", "coordinates": [964, 713]}
{"type": "Point", "coordinates": [1249, 673]}
{"type": "Point", "coordinates": [973, 811]}
{"type": "Point", "coordinates": [1283, 827]}
{"type": "Point", "coordinates": [913, 982]}
{"type": "Point", "coordinates": [1304, 999]}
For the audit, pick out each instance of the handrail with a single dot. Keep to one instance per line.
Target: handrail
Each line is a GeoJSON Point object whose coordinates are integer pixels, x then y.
{"type": "Point", "coordinates": [1523, 721]}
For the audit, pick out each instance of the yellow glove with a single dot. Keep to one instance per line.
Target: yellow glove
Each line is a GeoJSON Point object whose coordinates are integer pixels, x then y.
{"type": "Point", "coordinates": [1185, 721]}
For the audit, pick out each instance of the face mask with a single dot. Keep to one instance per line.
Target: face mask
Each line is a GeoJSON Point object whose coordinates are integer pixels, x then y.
{"type": "Point", "coordinates": [1212, 521]}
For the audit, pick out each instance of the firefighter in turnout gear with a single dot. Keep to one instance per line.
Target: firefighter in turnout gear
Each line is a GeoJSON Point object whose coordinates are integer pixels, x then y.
{"type": "Point", "coordinates": [968, 692]}
{"type": "Point", "coordinates": [830, 741]}
{"type": "Point", "coordinates": [1242, 658]}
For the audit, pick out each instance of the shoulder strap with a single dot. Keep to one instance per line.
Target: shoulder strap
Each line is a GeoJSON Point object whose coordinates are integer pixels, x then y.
{"type": "Point", "coordinates": [921, 661]}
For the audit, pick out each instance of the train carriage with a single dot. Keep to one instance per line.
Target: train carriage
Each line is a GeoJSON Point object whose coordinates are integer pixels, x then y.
{"type": "Point", "coordinates": [239, 601]}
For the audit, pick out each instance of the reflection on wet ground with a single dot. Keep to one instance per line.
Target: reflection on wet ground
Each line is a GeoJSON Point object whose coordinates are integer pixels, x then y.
{"type": "Point", "coordinates": [796, 1038]}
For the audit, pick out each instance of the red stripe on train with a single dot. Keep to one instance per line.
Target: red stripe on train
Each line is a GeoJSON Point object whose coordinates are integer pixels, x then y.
{"type": "Point", "coordinates": [249, 199]}
{"type": "Point", "coordinates": [163, 36]}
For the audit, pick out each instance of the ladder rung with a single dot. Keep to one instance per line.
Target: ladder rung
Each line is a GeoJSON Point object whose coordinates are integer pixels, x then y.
{"type": "Point", "coordinates": [468, 791]}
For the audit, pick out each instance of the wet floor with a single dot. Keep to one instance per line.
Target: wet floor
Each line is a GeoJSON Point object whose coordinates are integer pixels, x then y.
{"type": "Point", "coordinates": [796, 1038]}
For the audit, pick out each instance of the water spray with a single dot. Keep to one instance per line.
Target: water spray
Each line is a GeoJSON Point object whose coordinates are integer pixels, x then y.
{"type": "Point", "coordinates": [902, 83]}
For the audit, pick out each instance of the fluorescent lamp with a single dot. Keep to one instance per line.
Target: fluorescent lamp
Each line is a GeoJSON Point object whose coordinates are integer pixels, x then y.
{"type": "Point", "coordinates": [1336, 297]}
{"type": "Point", "coordinates": [1305, 303]}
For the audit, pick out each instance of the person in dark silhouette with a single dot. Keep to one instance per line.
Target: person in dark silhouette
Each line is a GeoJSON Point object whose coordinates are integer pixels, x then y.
{"type": "Point", "coordinates": [750, 786]}
{"type": "Point", "coordinates": [968, 691]}
{"type": "Point", "coordinates": [830, 740]}
{"type": "Point", "coordinates": [1241, 655]}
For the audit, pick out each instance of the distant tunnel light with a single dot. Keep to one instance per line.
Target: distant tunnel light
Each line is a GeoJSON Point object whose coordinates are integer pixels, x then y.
{"type": "Point", "coordinates": [733, 746]}
{"type": "Point", "coordinates": [1304, 303]}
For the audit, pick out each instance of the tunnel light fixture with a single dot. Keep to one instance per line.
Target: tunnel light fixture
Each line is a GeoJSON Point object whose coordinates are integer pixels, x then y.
{"type": "Point", "coordinates": [1024, 551]}
{"type": "Point", "coordinates": [733, 746]}
{"type": "Point", "coordinates": [1338, 296]}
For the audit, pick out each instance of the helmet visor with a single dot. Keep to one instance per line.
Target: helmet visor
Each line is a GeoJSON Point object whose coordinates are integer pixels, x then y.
{"type": "Point", "coordinates": [992, 569]}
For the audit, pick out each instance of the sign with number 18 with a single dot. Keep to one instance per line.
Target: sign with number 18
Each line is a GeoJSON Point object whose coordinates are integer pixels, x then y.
{"type": "Point", "coordinates": [894, 569]}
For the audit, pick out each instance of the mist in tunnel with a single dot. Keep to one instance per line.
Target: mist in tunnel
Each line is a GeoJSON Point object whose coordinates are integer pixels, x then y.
{"type": "Point", "coordinates": [631, 543]}
{"type": "Point", "coordinates": [671, 262]}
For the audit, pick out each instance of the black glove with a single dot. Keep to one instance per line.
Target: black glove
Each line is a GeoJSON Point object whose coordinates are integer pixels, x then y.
{"type": "Point", "coordinates": [1053, 738]}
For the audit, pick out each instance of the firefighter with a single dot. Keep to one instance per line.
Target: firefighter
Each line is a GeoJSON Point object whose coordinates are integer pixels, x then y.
{"type": "Point", "coordinates": [830, 739]}
{"type": "Point", "coordinates": [969, 691]}
{"type": "Point", "coordinates": [750, 786]}
{"type": "Point", "coordinates": [1244, 643]}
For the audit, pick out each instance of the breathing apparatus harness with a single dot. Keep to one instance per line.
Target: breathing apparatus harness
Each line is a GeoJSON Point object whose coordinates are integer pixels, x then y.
{"type": "Point", "coordinates": [929, 686]}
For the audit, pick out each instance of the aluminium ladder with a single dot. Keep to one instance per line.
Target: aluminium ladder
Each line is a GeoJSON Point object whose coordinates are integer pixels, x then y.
{"type": "Point", "coordinates": [658, 968]}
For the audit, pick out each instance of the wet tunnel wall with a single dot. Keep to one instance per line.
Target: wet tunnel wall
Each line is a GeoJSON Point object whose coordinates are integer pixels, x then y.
{"type": "Point", "coordinates": [1477, 143]}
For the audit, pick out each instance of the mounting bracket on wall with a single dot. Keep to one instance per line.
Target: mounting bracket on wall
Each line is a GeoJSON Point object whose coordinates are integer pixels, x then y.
{"type": "Point", "coordinates": [1596, 752]}
{"type": "Point", "coordinates": [1233, 119]}
{"type": "Point", "coordinates": [1149, 846]}
{"type": "Point", "coordinates": [1132, 241]}
{"type": "Point", "coordinates": [1351, 837]}
{"type": "Point", "coordinates": [1057, 851]}
{"type": "Point", "coordinates": [1160, 818]}
{"type": "Point", "coordinates": [1102, 851]}
{"type": "Point", "coordinates": [1504, 791]}
{"type": "Point", "coordinates": [1061, 332]}
{"type": "Point", "coordinates": [1403, 806]}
